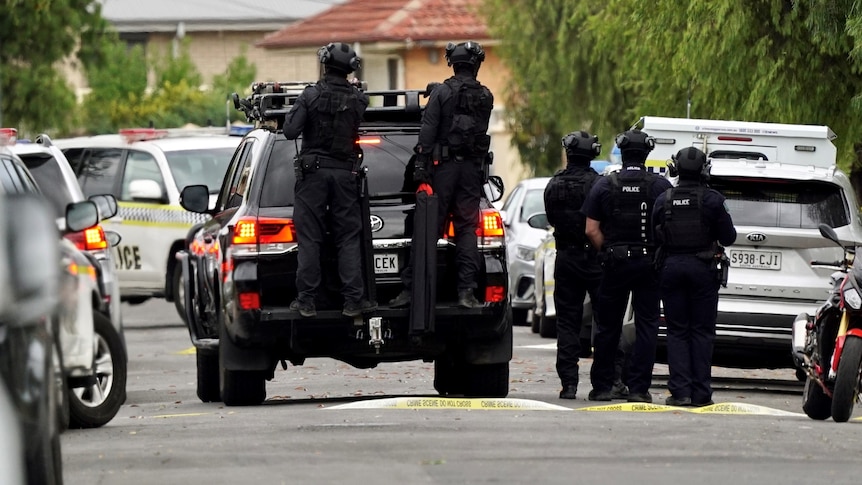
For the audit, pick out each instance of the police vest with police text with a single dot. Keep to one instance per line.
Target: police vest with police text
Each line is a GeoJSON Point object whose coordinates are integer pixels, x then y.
{"type": "Point", "coordinates": [338, 117]}
{"type": "Point", "coordinates": [564, 196]}
{"type": "Point", "coordinates": [631, 210]}
{"type": "Point", "coordinates": [472, 104]}
{"type": "Point", "coordinates": [684, 229]}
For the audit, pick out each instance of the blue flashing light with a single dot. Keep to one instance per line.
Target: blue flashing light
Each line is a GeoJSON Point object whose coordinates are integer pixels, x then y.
{"type": "Point", "coordinates": [240, 130]}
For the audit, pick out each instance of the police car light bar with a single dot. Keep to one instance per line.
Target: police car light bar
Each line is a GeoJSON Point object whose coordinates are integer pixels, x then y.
{"type": "Point", "coordinates": [142, 134]}
{"type": "Point", "coordinates": [8, 136]}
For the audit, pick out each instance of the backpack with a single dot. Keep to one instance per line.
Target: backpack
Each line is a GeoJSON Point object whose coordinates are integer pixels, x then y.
{"type": "Point", "coordinates": [338, 119]}
{"type": "Point", "coordinates": [472, 104]}
{"type": "Point", "coordinates": [564, 196]}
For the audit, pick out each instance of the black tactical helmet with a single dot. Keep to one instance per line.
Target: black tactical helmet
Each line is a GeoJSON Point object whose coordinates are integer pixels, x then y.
{"type": "Point", "coordinates": [635, 140]}
{"type": "Point", "coordinates": [340, 56]}
{"type": "Point", "coordinates": [691, 164]}
{"type": "Point", "coordinates": [466, 52]}
{"type": "Point", "coordinates": [580, 144]}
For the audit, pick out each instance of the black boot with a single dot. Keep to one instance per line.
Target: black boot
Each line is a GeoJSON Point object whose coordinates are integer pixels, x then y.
{"type": "Point", "coordinates": [467, 300]}
{"type": "Point", "coordinates": [400, 301]}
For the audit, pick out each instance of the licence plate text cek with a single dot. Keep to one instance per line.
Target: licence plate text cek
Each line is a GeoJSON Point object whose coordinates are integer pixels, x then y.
{"type": "Point", "coordinates": [754, 259]}
{"type": "Point", "coordinates": [386, 263]}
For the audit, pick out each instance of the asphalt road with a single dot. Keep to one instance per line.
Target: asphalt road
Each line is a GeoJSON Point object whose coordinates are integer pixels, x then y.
{"type": "Point", "coordinates": [326, 422]}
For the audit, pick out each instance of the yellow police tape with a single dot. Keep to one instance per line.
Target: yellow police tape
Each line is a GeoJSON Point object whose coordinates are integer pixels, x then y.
{"type": "Point", "coordinates": [531, 405]}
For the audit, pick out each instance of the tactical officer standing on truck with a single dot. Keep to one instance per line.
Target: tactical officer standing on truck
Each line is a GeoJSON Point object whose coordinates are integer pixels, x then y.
{"type": "Point", "coordinates": [692, 224]}
{"type": "Point", "coordinates": [618, 211]}
{"type": "Point", "coordinates": [577, 271]}
{"type": "Point", "coordinates": [453, 147]}
{"type": "Point", "coordinates": [327, 115]}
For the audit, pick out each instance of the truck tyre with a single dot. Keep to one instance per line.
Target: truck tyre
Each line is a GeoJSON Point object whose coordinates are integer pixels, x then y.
{"type": "Point", "coordinates": [94, 406]}
{"type": "Point", "coordinates": [238, 388]}
{"type": "Point", "coordinates": [208, 375]}
{"type": "Point", "coordinates": [548, 327]}
{"type": "Point", "coordinates": [486, 380]}
{"type": "Point", "coordinates": [62, 387]}
{"type": "Point", "coordinates": [847, 381]}
{"type": "Point", "coordinates": [447, 378]}
{"type": "Point", "coordinates": [179, 292]}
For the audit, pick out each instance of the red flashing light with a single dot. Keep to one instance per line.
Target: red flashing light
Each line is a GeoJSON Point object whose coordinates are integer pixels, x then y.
{"type": "Point", "coordinates": [494, 294]}
{"type": "Point", "coordinates": [368, 141]}
{"type": "Point", "coordinates": [142, 134]}
{"type": "Point", "coordinates": [734, 138]}
{"type": "Point", "coordinates": [8, 136]}
{"type": "Point", "coordinates": [89, 239]}
{"type": "Point", "coordinates": [249, 301]}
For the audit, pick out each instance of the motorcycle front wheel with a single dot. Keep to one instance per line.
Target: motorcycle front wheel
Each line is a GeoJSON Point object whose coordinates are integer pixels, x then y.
{"type": "Point", "coordinates": [847, 380]}
{"type": "Point", "coordinates": [815, 402]}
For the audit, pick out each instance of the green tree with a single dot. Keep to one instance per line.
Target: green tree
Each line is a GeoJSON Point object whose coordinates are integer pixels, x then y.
{"type": "Point", "coordinates": [237, 78]}
{"type": "Point", "coordinates": [35, 35]}
{"type": "Point", "coordinates": [120, 79]}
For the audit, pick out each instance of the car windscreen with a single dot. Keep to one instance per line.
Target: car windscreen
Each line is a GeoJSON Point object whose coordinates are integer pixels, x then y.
{"type": "Point", "coordinates": [386, 156]}
{"type": "Point", "coordinates": [534, 202]}
{"type": "Point", "coordinates": [205, 166]}
{"type": "Point", "coordinates": [50, 180]}
{"type": "Point", "coordinates": [783, 203]}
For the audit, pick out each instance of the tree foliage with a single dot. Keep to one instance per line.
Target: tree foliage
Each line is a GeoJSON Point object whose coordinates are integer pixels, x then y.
{"type": "Point", "coordinates": [35, 35]}
{"type": "Point", "coordinates": [602, 65]}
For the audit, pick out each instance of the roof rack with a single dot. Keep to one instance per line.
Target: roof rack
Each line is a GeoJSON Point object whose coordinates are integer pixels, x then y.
{"type": "Point", "coordinates": [270, 102]}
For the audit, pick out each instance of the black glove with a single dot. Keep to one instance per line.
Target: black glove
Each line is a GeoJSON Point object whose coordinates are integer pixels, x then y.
{"type": "Point", "coordinates": [421, 171]}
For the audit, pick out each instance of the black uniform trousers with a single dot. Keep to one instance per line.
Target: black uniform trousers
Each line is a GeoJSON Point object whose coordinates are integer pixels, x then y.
{"type": "Point", "coordinates": [576, 273]}
{"type": "Point", "coordinates": [689, 290]}
{"type": "Point", "coordinates": [458, 186]}
{"type": "Point", "coordinates": [638, 276]}
{"type": "Point", "coordinates": [336, 191]}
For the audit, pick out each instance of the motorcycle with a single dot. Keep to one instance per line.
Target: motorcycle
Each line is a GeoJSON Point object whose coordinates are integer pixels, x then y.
{"type": "Point", "coordinates": [828, 346]}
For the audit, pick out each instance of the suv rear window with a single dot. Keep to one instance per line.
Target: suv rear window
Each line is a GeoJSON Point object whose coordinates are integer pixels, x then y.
{"type": "Point", "coordinates": [386, 160]}
{"type": "Point", "coordinates": [50, 179]}
{"type": "Point", "coordinates": [783, 203]}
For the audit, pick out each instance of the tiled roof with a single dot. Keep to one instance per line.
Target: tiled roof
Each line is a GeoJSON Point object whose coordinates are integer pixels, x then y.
{"type": "Point", "coordinates": [385, 20]}
{"type": "Point", "coordinates": [192, 11]}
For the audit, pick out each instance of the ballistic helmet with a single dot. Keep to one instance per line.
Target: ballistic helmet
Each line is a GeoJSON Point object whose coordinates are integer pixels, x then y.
{"type": "Point", "coordinates": [469, 52]}
{"type": "Point", "coordinates": [339, 56]}
{"type": "Point", "coordinates": [581, 145]}
{"type": "Point", "coordinates": [691, 164]}
{"type": "Point", "coordinates": [634, 145]}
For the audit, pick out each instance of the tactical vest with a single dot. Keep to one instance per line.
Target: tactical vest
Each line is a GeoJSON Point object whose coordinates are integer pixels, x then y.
{"type": "Point", "coordinates": [564, 196]}
{"type": "Point", "coordinates": [472, 104]}
{"type": "Point", "coordinates": [684, 229]}
{"type": "Point", "coordinates": [338, 115]}
{"type": "Point", "coordinates": [631, 209]}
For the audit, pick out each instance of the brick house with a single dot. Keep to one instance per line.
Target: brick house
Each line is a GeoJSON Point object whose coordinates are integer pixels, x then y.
{"type": "Point", "coordinates": [401, 43]}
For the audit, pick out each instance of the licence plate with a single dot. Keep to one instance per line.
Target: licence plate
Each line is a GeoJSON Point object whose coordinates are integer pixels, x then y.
{"type": "Point", "coordinates": [386, 263]}
{"type": "Point", "coordinates": [754, 259]}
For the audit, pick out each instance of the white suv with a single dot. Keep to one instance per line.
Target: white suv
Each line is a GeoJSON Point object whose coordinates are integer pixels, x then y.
{"type": "Point", "coordinates": [145, 169]}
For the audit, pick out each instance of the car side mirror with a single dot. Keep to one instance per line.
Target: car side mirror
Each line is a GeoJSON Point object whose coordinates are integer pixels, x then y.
{"type": "Point", "coordinates": [195, 198]}
{"type": "Point", "coordinates": [145, 189]}
{"type": "Point", "coordinates": [539, 221]}
{"type": "Point", "coordinates": [113, 238]}
{"type": "Point", "coordinates": [494, 188]}
{"type": "Point", "coordinates": [107, 205]}
{"type": "Point", "coordinates": [81, 215]}
{"type": "Point", "coordinates": [33, 256]}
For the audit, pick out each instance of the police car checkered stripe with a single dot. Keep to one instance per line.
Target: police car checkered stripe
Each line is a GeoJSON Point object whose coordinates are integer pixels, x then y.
{"type": "Point", "coordinates": [159, 215]}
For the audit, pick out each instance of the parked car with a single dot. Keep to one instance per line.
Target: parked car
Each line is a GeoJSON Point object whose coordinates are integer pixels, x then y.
{"type": "Point", "coordinates": [145, 170]}
{"type": "Point", "coordinates": [241, 269]}
{"type": "Point", "coordinates": [525, 200]}
{"type": "Point", "coordinates": [90, 325]}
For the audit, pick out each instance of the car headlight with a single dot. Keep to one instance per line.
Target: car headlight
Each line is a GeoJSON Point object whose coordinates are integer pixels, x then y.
{"type": "Point", "coordinates": [852, 298]}
{"type": "Point", "coordinates": [525, 253]}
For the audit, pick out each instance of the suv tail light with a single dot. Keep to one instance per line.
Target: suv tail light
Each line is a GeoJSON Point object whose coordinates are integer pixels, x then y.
{"type": "Point", "coordinates": [89, 239]}
{"type": "Point", "coordinates": [264, 230]}
{"type": "Point", "coordinates": [489, 229]}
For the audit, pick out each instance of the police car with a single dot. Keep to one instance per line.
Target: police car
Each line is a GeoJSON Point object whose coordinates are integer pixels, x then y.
{"type": "Point", "coordinates": [145, 169]}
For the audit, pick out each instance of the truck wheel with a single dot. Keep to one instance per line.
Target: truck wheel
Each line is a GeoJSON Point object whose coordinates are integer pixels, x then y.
{"type": "Point", "coordinates": [208, 375]}
{"type": "Point", "coordinates": [238, 388]}
{"type": "Point", "coordinates": [847, 381]}
{"type": "Point", "coordinates": [486, 380]}
{"type": "Point", "coordinates": [519, 316]}
{"type": "Point", "coordinates": [548, 327]}
{"type": "Point", "coordinates": [94, 406]}
{"type": "Point", "coordinates": [62, 387]}
{"type": "Point", "coordinates": [815, 402]}
{"type": "Point", "coordinates": [534, 324]}
{"type": "Point", "coordinates": [179, 292]}
{"type": "Point", "coordinates": [447, 378]}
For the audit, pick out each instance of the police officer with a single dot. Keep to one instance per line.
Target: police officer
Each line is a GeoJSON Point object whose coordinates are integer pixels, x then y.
{"type": "Point", "coordinates": [618, 212]}
{"type": "Point", "coordinates": [577, 271]}
{"type": "Point", "coordinates": [327, 115]}
{"type": "Point", "coordinates": [691, 220]}
{"type": "Point", "coordinates": [453, 146]}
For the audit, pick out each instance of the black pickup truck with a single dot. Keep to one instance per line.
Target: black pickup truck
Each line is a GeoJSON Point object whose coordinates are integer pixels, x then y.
{"type": "Point", "coordinates": [239, 268]}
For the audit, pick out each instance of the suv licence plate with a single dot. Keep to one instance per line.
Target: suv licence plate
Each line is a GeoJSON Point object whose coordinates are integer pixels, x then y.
{"type": "Point", "coordinates": [386, 263]}
{"type": "Point", "coordinates": [753, 259]}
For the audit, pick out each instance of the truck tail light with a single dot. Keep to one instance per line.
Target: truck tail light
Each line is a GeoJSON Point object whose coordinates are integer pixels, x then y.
{"type": "Point", "coordinates": [494, 294]}
{"type": "Point", "coordinates": [89, 239]}
{"type": "Point", "coordinates": [489, 229]}
{"type": "Point", "coordinates": [264, 230]}
{"type": "Point", "coordinates": [249, 300]}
